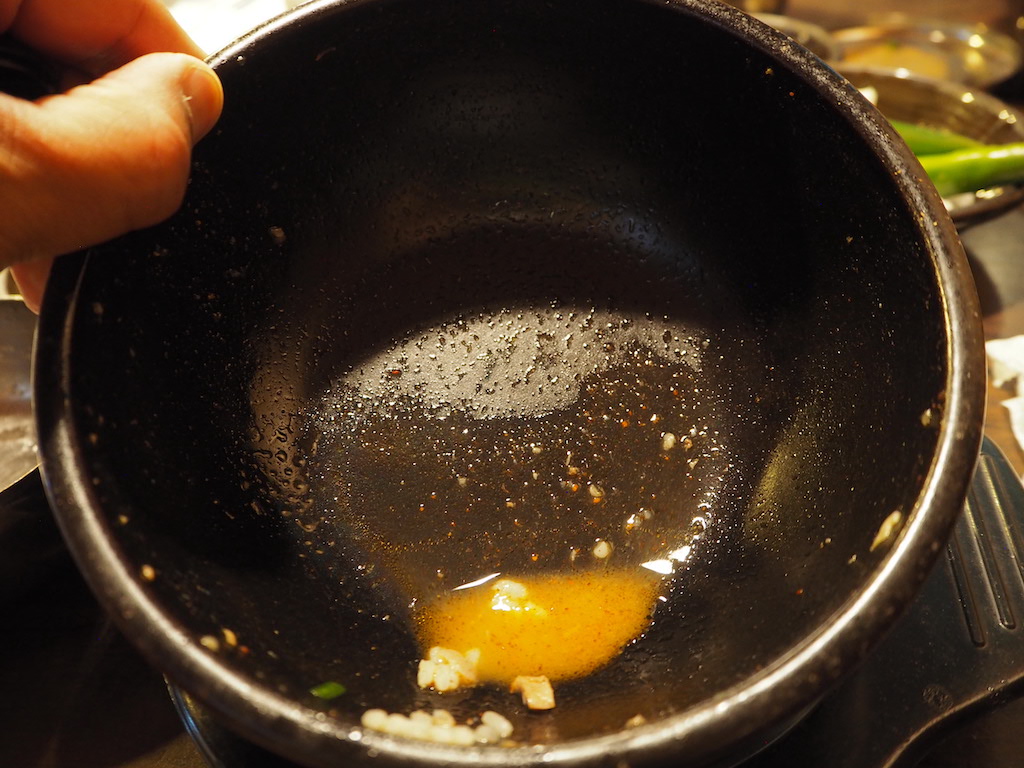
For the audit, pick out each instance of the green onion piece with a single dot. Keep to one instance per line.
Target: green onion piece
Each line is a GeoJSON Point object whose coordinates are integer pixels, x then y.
{"type": "Point", "coordinates": [327, 691]}
{"type": "Point", "coordinates": [968, 170]}
{"type": "Point", "coordinates": [923, 140]}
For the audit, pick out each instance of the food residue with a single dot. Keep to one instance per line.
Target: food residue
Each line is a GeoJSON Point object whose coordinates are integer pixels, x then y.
{"type": "Point", "coordinates": [447, 670]}
{"type": "Point", "coordinates": [552, 626]}
{"type": "Point", "coordinates": [328, 690]}
{"type": "Point", "coordinates": [889, 527]}
{"type": "Point", "coordinates": [439, 726]}
{"type": "Point", "coordinates": [536, 691]}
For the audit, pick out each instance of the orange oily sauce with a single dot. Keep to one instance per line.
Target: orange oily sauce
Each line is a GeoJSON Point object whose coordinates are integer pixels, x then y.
{"type": "Point", "coordinates": [558, 625]}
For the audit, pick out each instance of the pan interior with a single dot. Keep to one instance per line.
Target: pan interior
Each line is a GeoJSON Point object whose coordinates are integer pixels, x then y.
{"type": "Point", "coordinates": [527, 432]}
{"type": "Point", "coordinates": [516, 240]}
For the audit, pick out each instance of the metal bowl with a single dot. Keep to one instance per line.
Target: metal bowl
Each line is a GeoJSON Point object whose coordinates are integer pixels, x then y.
{"type": "Point", "coordinates": [17, 428]}
{"type": "Point", "coordinates": [814, 38]}
{"type": "Point", "coordinates": [29, 541]}
{"type": "Point", "coordinates": [954, 107]}
{"type": "Point", "coordinates": [970, 54]}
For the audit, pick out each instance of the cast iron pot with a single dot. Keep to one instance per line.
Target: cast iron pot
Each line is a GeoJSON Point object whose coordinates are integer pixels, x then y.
{"type": "Point", "coordinates": [449, 278]}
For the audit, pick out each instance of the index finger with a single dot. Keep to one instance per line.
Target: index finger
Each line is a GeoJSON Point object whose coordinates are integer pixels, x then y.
{"type": "Point", "coordinates": [95, 36]}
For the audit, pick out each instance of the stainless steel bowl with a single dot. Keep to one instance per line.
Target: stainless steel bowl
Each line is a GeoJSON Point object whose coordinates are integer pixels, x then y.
{"type": "Point", "coordinates": [974, 55]}
{"type": "Point", "coordinates": [814, 38]}
{"type": "Point", "coordinates": [955, 107]}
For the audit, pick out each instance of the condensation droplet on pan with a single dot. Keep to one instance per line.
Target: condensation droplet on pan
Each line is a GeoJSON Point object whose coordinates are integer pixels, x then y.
{"type": "Point", "coordinates": [482, 372]}
{"type": "Point", "coordinates": [466, 407]}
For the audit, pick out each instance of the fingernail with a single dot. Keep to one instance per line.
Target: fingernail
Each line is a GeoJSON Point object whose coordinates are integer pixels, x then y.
{"type": "Point", "coordinates": [204, 98]}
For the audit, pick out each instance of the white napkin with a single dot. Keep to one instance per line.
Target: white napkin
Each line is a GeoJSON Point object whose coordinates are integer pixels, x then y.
{"type": "Point", "coordinates": [1006, 371]}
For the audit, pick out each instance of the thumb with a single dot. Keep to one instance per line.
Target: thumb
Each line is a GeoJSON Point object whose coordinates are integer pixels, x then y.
{"type": "Point", "coordinates": [102, 159]}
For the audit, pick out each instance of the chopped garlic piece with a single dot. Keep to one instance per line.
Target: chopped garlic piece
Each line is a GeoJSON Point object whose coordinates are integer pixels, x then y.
{"type": "Point", "coordinates": [440, 727]}
{"type": "Point", "coordinates": [462, 735]}
{"type": "Point", "coordinates": [447, 670]}
{"type": "Point", "coordinates": [498, 722]}
{"type": "Point", "coordinates": [484, 734]}
{"type": "Point", "coordinates": [512, 596]}
{"type": "Point", "coordinates": [375, 719]}
{"type": "Point", "coordinates": [636, 721]}
{"type": "Point", "coordinates": [443, 718]}
{"type": "Point", "coordinates": [887, 529]}
{"type": "Point", "coordinates": [536, 691]}
{"type": "Point", "coordinates": [422, 718]}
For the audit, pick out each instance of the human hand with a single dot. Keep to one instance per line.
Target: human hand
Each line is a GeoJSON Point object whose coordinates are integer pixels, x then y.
{"type": "Point", "coordinates": [109, 155]}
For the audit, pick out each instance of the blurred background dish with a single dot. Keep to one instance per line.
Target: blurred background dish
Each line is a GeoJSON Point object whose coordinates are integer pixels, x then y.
{"type": "Point", "coordinates": [17, 427]}
{"type": "Point", "coordinates": [759, 6]}
{"type": "Point", "coordinates": [954, 107]}
{"type": "Point", "coordinates": [30, 545]}
{"type": "Point", "coordinates": [814, 38]}
{"type": "Point", "coordinates": [971, 54]}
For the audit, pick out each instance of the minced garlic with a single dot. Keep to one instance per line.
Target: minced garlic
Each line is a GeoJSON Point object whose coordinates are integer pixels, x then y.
{"type": "Point", "coordinates": [447, 670]}
{"type": "Point", "coordinates": [439, 726]}
{"type": "Point", "coordinates": [536, 691]}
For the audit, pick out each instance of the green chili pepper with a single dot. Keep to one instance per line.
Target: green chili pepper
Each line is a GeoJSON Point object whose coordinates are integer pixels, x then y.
{"type": "Point", "coordinates": [967, 170]}
{"type": "Point", "coordinates": [328, 690]}
{"type": "Point", "coordinates": [923, 140]}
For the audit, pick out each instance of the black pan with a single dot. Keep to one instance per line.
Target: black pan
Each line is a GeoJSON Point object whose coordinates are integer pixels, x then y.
{"type": "Point", "coordinates": [449, 277]}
